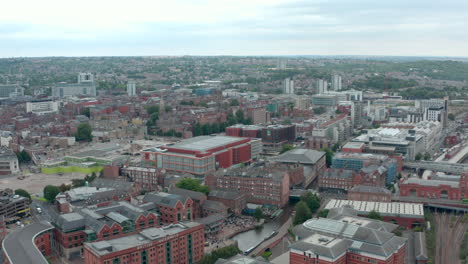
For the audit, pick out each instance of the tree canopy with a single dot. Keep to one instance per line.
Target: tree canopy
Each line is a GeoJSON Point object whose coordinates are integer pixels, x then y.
{"type": "Point", "coordinates": [303, 213]}
{"type": "Point", "coordinates": [312, 201]}
{"type": "Point", "coordinates": [22, 192]}
{"type": "Point", "coordinates": [50, 192]}
{"type": "Point", "coordinates": [258, 214]}
{"type": "Point", "coordinates": [375, 215]}
{"type": "Point", "coordinates": [328, 156]}
{"type": "Point", "coordinates": [23, 157]}
{"type": "Point", "coordinates": [84, 132]}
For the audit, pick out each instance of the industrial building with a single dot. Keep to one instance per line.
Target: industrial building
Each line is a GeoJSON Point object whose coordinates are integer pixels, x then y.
{"type": "Point", "coordinates": [200, 155]}
{"type": "Point", "coordinates": [407, 215]}
{"type": "Point", "coordinates": [177, 243]}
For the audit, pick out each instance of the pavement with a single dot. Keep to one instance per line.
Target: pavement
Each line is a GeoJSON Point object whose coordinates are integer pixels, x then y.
{"type": "Point", "coordinates": [35, 183]}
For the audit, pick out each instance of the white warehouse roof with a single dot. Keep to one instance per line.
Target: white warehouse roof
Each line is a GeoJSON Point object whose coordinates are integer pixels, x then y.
{"type": "Point", "coordinates": [385, 209]}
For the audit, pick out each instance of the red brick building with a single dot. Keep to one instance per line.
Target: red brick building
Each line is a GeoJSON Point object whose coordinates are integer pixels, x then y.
{"type": "Point", "coordinates": [435, 188]}
{"type": "Point", "coordinates": [203, 154]}
{"type": "Point", "coordinates": [147, 178]}
{"type": "Point", "coordinates": [262, 183]}
{"type": "Point", "coordinates": [172, 208]}
{"type": "Point", "coordinates": [343, 239]}
{"type": "Point", "coordinates": [235, 201]}
{"type": "Point", "coordinates": [103, 223]}
{"type": "Point", "coordinates": [344, 180]}
{"type": "Point", "coordinates": [369, 193]}
{"type": "Point", "coordinates": [198, 199]}
{"type": "Point", "coordinates": [173, 244]}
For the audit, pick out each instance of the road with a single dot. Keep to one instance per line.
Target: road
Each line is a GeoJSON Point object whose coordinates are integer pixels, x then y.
{"type": "Point", "coordinates": [449, 235]}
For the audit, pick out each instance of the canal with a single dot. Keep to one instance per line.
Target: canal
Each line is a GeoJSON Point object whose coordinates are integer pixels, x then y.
{"type": "Point", "coordinates": [250, 238]}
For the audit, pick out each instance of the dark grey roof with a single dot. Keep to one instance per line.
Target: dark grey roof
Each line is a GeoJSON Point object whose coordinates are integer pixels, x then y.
{"type": "Point", "coordinates": [241, 259]}
{"type": "Point", "coordinates": [370, 189]}
{"type": "Point", "coordinates": [213, 205]}
{"type": "Point", "coordinates": [302, 156]}
{"type": "Point", "coordinates": [210, 219]}
{"type": "Point", "coordinates": [69, 222]}
{"type": "Point", "coordinates": [192, 194]}
{"type": "Point", "coordinates": [420, 249]}
{"type": "Point", "coordinates": [339, 212]}
{"type": "Point", "coordinates": [114, 184]}
{"type": "Point", "coordinates": [164, 199]}
{"type": "Point", "coordinates": [19, 245]}
{"type": "Point", "coordinates": [229, 195]}
{"type": "Point", "coordinates": [365, 234]}
{"type": "Point", "coordinates": [332, 252]}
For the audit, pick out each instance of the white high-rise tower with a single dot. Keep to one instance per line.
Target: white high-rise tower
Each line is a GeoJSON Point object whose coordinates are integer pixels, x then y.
{"type": "Point", "coordinates": [131, 88]}
{"type": "Point", "coordinates": [336, 82]}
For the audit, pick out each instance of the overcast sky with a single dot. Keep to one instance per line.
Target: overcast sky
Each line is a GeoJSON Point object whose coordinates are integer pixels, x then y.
{"type": "Point", "coordinates": [236, 27]}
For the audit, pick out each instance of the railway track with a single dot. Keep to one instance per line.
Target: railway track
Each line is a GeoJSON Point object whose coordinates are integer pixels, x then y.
{"type": "Point", "coordinates": [450, 231]}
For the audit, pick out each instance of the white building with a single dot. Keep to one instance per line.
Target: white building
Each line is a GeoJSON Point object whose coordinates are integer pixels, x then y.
{"type": "Point", "coordinates": [11, 90]}
{"type": "Point", "coordinates": [8, 162]}
{"type": "Point", "coordinates": [302, 102]}
{"type": "Point", "coordinates": [336, 82]}
{"type": "Point", "coordinates": [131, 88]}
{"type": "Point", "coordinates": [322, 86]}
{"type": "Point", "coordinates": [42, 107]}
{"type": "Point", "coordinates": [288, 86]}
{"type": "Point", "coordinates": [85, 86]}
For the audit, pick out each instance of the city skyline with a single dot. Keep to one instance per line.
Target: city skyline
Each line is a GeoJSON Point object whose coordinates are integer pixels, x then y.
{"type": "Point", "coordinates": [144, 28]}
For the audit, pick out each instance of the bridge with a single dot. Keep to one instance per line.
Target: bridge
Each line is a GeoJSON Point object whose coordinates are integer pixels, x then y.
{"type": "Point", "coordinates": [453, 168]}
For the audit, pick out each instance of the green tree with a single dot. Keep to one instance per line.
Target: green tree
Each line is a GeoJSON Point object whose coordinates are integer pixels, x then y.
{"type": "Point", "coordinates": [168, 108]}
{"type": "Point", "coordinates": [50, 192]}
{"type": "Point", "coordinates": [84, 132]}
{"type": "Point", "coordinates": [328, 156]}
{"type": "Point", "coordinates": [215, 128]}
{"type": "Point", "coordinates": [234, 102]}
{"type": "Point", "coordinates": [240, 116]}
{"type": "Point", "coordinates": [86, 111]}
{"type": "Point", "coordinates": [319, 110]}
{"type": "Point", "coordinates": [312, 201]}
{"type": "Point", "coordinates": [224, 253]}
{"type": "Point", "coordinates": [375, 215]}
{"type": "Point", "coordinates": [193, 185]}
{"type": "Point", "coordinates": [287, 121]}
{"type": "Point", "coordinates": [286, 147]}
{"type": "Point", "coordinates": [418, 156]}
{"type": "Point", "coordinates": [152, 109]}
{"type": "Point", "coordinates": [78, 183]}
{"type": "Point", "coordinates": [258, 214]}
{"type": "Point", "coordinates": [231, 119]}
{"type": "Point", "coordinates": [335, 147]}
{"type": "Point", "coordinates": [206, 128]}
{"type": "Point", "coordinates": [323, 213]}
{"type": "Point", "coordinates": [23, 193]}
{"type": "Point", "coordinates": [197, 130]}
{"type": "Point", "coordinates": [303, 213]}
{"type": "Point", "coordinates": [23, 156]}
{"type": "Point", "coordinates": [451, 116]}
{"type": "Point", "coordinates": [427, 156]}
{"type": "Point", "coordinates": [64, 187]}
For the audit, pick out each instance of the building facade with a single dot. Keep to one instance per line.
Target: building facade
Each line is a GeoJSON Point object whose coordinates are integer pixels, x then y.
{"type": "Point", "coordinates": [262, 184]}
{"type": "Point", "coordinates": [42, 107]}
{"type": "Point", "coordinates": [8, 162]}
{"type": "Point", "coordinates": [177, 243]}
{"type": "Point", "coordinates": [200, 155]}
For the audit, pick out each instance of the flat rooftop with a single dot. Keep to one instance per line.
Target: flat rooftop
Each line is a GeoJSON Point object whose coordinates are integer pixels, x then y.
{"type": "Point", "coordinates": [204, 143]}
{"type": "Point", "coordinates": [385, 209]}
{"type": "Point", "coordinates": [144, 237]}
